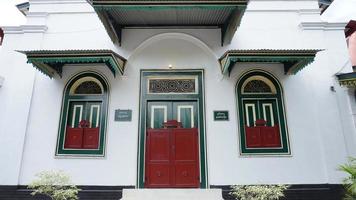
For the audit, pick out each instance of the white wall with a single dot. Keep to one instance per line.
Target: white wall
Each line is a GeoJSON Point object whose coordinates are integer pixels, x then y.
{"type": "Point", "coordinates": [15, 101]}
{"type": "Point", "coordinates": [318, 127]}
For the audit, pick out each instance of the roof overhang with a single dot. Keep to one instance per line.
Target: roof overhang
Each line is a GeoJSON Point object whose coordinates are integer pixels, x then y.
{"type": "Point", "coordinates": [51, 62]}
{"type": "Point", "coordinates": [24, 8]}
{"type": "Point", "coordinates": [350, 28]}
{"type": "Point", "coordinates": [293, 60]}
{"type": "Point", "coordinates": [324, 4]}
{"type": "Point", "coordinates": [347, 79]}
{"type": "Point", "coordinates": [222, 14]}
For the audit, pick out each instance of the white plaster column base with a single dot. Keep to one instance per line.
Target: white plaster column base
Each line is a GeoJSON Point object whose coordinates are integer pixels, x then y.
{"type": "Point", "coordinates": [172, 194]}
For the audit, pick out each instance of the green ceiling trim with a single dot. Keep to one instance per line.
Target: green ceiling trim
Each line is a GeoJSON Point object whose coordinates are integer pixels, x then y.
{"type": "Point", "coordinates": [110, 11]}
{"type": "Point", "coordinates": [113, 66]}
{"type": "Point", "coordinates": [293, 60]}
{"type": "Point", "coordinates": [168, 2]}
{"type": "Point", "coordinates": [44, 68]}
{"type": "Point", "coordinates": [52, 62]}
{"type": "Point", "coordinates": [230, 27]}
{"type": "Point", "coordinates": [347, 79]}
{"type": "Point", "coordinates": [157, 8]}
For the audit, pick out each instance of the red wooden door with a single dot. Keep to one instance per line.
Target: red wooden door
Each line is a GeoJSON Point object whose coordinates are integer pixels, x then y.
{"type": "Point", "coordinates": [158, 158]}
{"type": "Point", "coordinates": [172, 158]}
{"type": "Point", "coordinates": [185, 157]}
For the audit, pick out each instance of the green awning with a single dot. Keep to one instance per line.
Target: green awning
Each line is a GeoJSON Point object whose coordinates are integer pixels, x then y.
{"type": "Point", "coordinates": [117, 15]}
{"type": "Point", "coordinates": [347, 79]}
{"type": "Point", "coordinates": [293, 60]}
{"type": "Point", "coordinates": [51, 62]}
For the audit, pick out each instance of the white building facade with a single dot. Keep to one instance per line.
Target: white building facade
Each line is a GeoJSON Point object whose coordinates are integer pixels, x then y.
{"type": "Point", "coordinates": [250, 89]}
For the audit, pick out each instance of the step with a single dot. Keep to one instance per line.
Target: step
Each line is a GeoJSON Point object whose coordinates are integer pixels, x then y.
{"type": "Point", "coordinates": [172, 194]}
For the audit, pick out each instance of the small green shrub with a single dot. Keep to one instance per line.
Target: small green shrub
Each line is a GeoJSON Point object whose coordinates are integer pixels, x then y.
{"type": "Point", "coordinates": [350, 181]}
{"type": "Point", "coordinates": [54, 184]}
{"type": "Point", "coordinates": [258, 192]}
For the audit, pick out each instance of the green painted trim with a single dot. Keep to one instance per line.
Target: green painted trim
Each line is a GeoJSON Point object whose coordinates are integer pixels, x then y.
{"type": "Point", "coordinates": [104, 9]}
{"type": "Point", "coordinates": [299, 61]}
{"type": "Point", "coordinates": [229, 28]}
{"type": "Point", "coordinates": [348, 83]}
{"type": "Point", "coordinates": [346, 76]}
{"type": "Point", "coordinates": [44, 64]}
{"type": "Point", "coordinates": [285, 150]}
{"type": "Point", "coordinates": [299, 65]}
{"type": "Point", "coordinates": [67, 98]}
{"type": "Point", "coordinates": [43, 68]}
{"type": "Point", "coordinates": [51, 62]}
{"type": "Point", "coordinates": [144, 98]}
{"type": "Point", "coordinates": [347, 79]}
{"type": "Point", "coordinates": [162, 7]}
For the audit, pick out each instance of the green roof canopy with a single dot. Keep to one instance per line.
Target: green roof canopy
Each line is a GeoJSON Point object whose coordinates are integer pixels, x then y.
{"type": "Point", "coordinates": [117, 15]}
{"type": "Point", "coordinates": [293, 60]}
{"type": "Point", "coordinates": [347, 79]}
{"type": "Point", "coordinates": [50, 62]}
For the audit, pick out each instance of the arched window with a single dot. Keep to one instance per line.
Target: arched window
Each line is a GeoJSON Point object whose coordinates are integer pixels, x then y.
{"type": "Point", "coordinates": [263, 127]}
{"type": "Point", "coordinates": [83, 118]}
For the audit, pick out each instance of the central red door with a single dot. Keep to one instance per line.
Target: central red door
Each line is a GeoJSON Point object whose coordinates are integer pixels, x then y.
{"type": "Point", "coordinates": [172, 159]}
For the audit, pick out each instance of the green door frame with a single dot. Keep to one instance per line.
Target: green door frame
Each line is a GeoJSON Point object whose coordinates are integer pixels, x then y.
{"type": "Point", "coordinates": [198, 97]}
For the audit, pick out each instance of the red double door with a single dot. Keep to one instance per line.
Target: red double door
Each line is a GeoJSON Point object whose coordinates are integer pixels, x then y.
{"type": "Point", "coordinates": [172, 159]}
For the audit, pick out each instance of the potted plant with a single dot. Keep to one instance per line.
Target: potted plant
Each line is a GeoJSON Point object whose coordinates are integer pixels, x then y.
{"type": "Point", "coordinates": [54, 184]}
{"type": "Point", "coordinates": [350, 181]}
{"type": "Point", "coordinates": [258, 192]}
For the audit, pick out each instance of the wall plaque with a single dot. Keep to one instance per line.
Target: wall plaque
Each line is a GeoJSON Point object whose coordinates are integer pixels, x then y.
{"type": "Point", "coordinates": [123, 115]}
{"type": "Point", "coordinates": [221, 115]}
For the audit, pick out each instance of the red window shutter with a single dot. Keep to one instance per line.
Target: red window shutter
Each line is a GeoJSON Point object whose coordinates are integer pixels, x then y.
{"type": "Point", "coordinates": [91, 138]}
{"type": "Point", "coordinates": [271, 136]}
{"type": "Point", "coordinates": [253, 137]}
{"type": "Point", "coordinates": [74, 138]}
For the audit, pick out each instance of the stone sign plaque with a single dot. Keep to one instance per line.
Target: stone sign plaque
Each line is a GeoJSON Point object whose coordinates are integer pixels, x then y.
{"type": "Point", "coordinates": [221, 115]}
{"type": "Point", "coordinates": [123, 115]}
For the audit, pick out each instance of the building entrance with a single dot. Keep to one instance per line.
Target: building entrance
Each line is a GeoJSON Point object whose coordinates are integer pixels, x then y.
{"type": "Point", "coordinates": [172, 147]}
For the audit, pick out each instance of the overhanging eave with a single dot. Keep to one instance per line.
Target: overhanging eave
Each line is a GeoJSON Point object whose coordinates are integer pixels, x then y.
{"type": "Point", "coordinates": [293, 60]}
{"type": "Point", "coordinates": [51, 62]}
{"type": "Point", "coordinates": [116, 15]}
{"type": "Point", "coordinates": [347, 79]}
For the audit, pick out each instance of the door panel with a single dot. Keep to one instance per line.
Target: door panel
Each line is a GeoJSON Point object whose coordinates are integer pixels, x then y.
{"type": "Point", "coordinates": [186, 156]}
{"type": "Point", "coordinates": [159, 174]}
{"type": "Point", "coordinates": [86, 135]}
{"type": "Point", "coordinates": [89, 111]}
{"type": "Point", "coordinates": [260, 109]}
{"type": "Point", "coordinates": [158, 158]}
{"type": "Point", "coordinates": [269, 112]}
{"type": "Point", "coordinates": [186, 175]}
{"type": "Point", "coordinates": [172, 153]}
{"type": "Point", "coordinates": [185, 141]}
{"type": "Point", "coordinates": [160, 145]}
{"type": "Point", "coordinates": [158, 113]}
{"type": "Point", "coordinates": [91, 138]}
{"type": "Point", "coordinates": [251, 112]}
{"type": "Point", "coordinates": [76, 113]}
{"type": "Point", "coordinates": [94, 114]}
{"type": "Point", "coordinates": [186, 113]}
{"type": "Point", "coordinates": [266, 134]}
